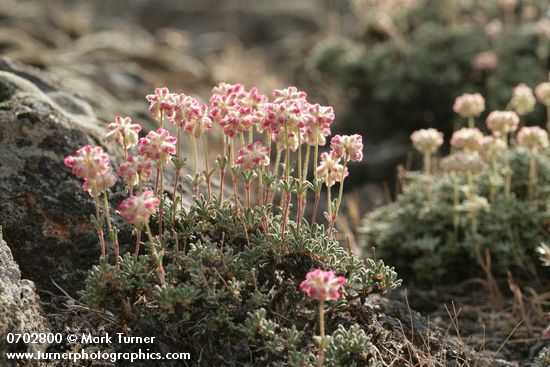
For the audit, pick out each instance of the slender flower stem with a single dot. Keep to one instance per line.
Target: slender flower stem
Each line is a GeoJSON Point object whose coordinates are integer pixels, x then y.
{"type": "Point", "coordinates": [251, 135]}
{"type": "Point", "coordinates": [507, 172]}
{"type": "Point", "coordinates": [260, 187]}
{"type": "Point", "coordinates": [138, 241]}
{"type": "Point", "coordinates": [456, 201]}
{"type": "Point", "coordinates": [207, 169]}
{"type": "Point", "coordinates": [533, 176]}
{"type": "Point", "coordinates": [277, 162]}
{"type": "Point", "coordinates": [161, 196]}
{"type": "Point", "coordinates": [158, 260]}
{"type": "Point", "coordinates": [322, 333]}
{"type": "Point", "coordinates": [315, 154]}
{"type": "Point", "coordinates": [112, 234]}
{"type": "Point", "coordinates": [548, 118]}
{"type": "Point", "coordinates": [340, 193]}
{"type": "Point", "coordinates": [306, 161]}
{"type": "Point", "coordinates": [427, 163]}
{"type": "Point", "coordinates": [315, 206]}
{"type": "Point", "coordinates": [195, 154]}
{"type": "Point", "coordinates": [300, 177]}
{"type": "Point", "coordinates": [471, 122]}
{"type": "Point", "coordinates": [99, 229]}
{"type": "Point", "coordinates": [241, 135]}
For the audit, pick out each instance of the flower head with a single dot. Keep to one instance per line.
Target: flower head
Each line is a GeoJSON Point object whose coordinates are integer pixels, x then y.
{"type": "Point", "coordinates": [469, 105]}
{"type": "Point", "coordinates": [523, 101]}
{"type": "Point", "coordinates": [317, 124]}
{"type": "Point", "coordinates": [468, 139]}
{"type": "Point", "coordinates": [493, 28]}
{"type": "Point", "coordinates": [348, 147]}
{"type": "Point", "coordinates": [190, 115]}
{"type": "Point", "coordinates": [533, 138]}
{"type": "Point", "coordinates": [427, 140]}
{"type": "Point", "coordinates": [330, 169]}
{"type": "Point", "coordinates": [252, 156]}
{"type": "Point", "coordinates": [461, 162]}
{"type": "Point", "coordinates": [99, 183]}
{"type": "Point", "coordinates": [158, 145]}
{"type": "Point", "coordinates": [159, 102]}
{"type": "Point", "coordinates": [542, 91]}
{"type": "Point", "coordinates": [485, 61]}
{"type": "Point", "coordinates": [322, 285]}
{"type": "Point", "coordinates": [139, 208]}
{"type": "Point", "coordinates": [543, 28]}
{"type": "Point", "coordinates": [123, 132]}
{"type": "Point", "coordinates": [136, 169]}
{"type": "Point", "coordinates": [501, 123]}
{"type": "Point", "coordinates": [88, 162]}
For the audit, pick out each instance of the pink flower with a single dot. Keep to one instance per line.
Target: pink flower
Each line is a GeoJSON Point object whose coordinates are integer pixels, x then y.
{"type": "Point", "coordinates": [190, 115]}
{"type": "Point", "coordinates": [317, 125]}
{"type": "Point", "coordinates": [288, 94]}
{"type": "Point", "coordinates": [123, 132]}
{"type": "Point", "coordinates": [461, 162]}
{"type": "Point", "coordinates": [348, 147]}
{"type": "Point", "coordinates": [330, 169]}
{"type": "Point", "coordinates": [546, 332]}
{"type": "Point", "coordinates": [469, 105]}
{"type": "Point", "coordinates": [533, 138]}
{"type": "Point", "coordinates": [88, 162]}
{"type": "Point", "coordinates": [252, 156]}
{"type": "Point", "coordinates": [468, 139]}
{"type": "Point", "coordinates": [485, 61]}
{"type": "Point", "coordinates": [158, 145]}
{"type": "Point", "coordinates": [136, 169]}
{"type": "Point", "coordinates": [99, 183]}
{"type": "Point", "coordinates": [501, 123]}
{"type": "Point", "coordinates": [139, 208]}
{"type": "Point", "coordinates": [543, 28]}
{"type": "Point", "coordinates": [159, 102]}
{"type": "Point", "coordinates": [523, 101]}
{"type": "Point", "coordinates": [427, 140]}
{"type": "Point", "coordinates": [322, 285]}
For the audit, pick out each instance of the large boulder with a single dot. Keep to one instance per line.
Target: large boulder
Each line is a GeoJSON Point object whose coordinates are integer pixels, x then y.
{"type": "Point", "coordinates": [44, 212]}
{"type": "Point", "coordinates": [20, 310]}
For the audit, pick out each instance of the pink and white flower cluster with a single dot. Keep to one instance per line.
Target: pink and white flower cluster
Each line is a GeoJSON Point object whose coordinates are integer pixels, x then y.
{"type": "Point", "coordinates": [123, 132]}
{"type": "Point", "coordinates": [158, 145]}
{"type": "Point", "coordinates": [542, 91]}
{"type": "Point", "coordinates": [92, 165]}
{"type": "Point", "coordinates": [467, 139]}
{"type": "Point", "coordinates": [533, 138]}
{"type": "Point", "coordinates": [137, 209]}
{"type": "Point", "coordinates": [253, 156]}
{"type": "Point", "coordinates": [322, 285]}
{"type": "Point", "coordinates": [523, 101]}
{"type": "Point", "coordinates": [502, 123]}
{"type": "Point", "coordinates": [469, 105]}
{"type": "Point", "coordinates": [330, 169]}
{"type": "Point", "coordinates": [427, 141]}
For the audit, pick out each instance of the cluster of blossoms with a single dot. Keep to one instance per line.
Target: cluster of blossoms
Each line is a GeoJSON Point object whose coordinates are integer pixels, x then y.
{"type": "Point", "coordinates": [469, 105]}
{"type": "Point", "coordinates": [137, 209]}
{"type": "Point", "coordinates": [92, 165]}
{"type": "Point", "coordinates": [523, 101]}
{"type": "Point", "coordinates": [502, 123]}
{"type": "Point", "coordinates": [542, 91]}
{"type": "Point", "coordinates": [330, 169]}
{"type": "Point", "coordinates": [427, 140]}
{"type": "Point", "coordinates": [467, 139]}
{"type": "Point", "coordinates": [533, 138]}
{"type": "Point", "coordinates": [253, 156]}
{"type": "Point", "coordinates": [462, 162]}
{"type": "Point", "coordinates": [322, 285]}
{"type": "Point", "coordinates": [288, 122]}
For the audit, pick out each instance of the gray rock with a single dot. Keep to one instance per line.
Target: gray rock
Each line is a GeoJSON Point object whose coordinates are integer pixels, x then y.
{"type": "Point", "coordinates": [20, 310]}
{"type": "Point", "coordinates": [44, 212]}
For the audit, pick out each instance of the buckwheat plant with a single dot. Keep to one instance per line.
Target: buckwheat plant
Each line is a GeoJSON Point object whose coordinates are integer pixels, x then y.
{"type": "Point", "coordinates": [493, 188]}
{"type": "Point", "coordinates": [206, 262]}
{"type": "Point", "coordinates": [322, 286]}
